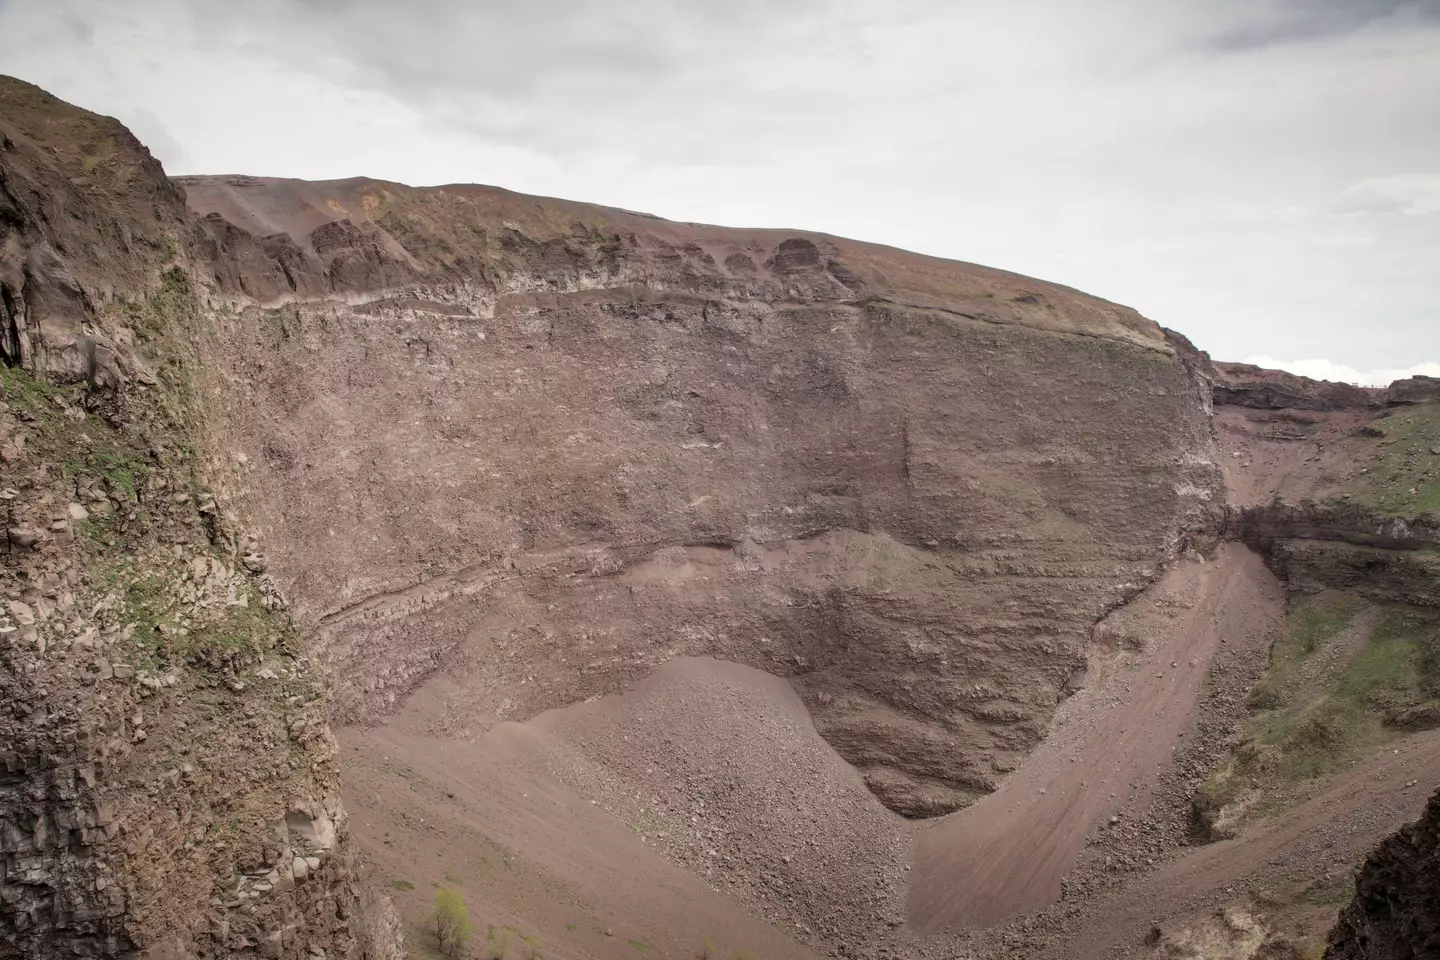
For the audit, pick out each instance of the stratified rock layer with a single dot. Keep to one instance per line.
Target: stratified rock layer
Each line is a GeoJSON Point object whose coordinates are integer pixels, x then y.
{"type": "Point", "coordinates": [520, 431]}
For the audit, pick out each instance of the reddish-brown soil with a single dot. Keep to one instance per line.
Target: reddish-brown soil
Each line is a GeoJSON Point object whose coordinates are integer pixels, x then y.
{"type": "Point", "coordinates": [1008, 853]}
{"type": "Point", "coordinates": [703, 800]}
{"type": "Point", "coordinates": [698, 804]}
{"type": "Point", "coordinates": [1285, 453]}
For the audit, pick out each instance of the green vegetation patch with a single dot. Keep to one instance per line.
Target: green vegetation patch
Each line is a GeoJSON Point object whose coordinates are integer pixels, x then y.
{"type": "Point", "coordinates": [98, 153]}
{"type": "Point", "coordinates": [122, 470]}
{"type": "Point", "coordinates": [162, 635]}
{"type": "Point", "coordinates": [1308, 723]}
{"type": "Point", "coordinates": [252, 628]}
{"type": "Point", "coordinates": [33, 396]}
{"type": "Point", "coordinates": [1313, 621]}
{"type": "Point", "coordinates": [1391, 676]}
{"type": "Point", "coordinates": [1401, 460]}
{"type": "Point", "coordinates": [451, 922]}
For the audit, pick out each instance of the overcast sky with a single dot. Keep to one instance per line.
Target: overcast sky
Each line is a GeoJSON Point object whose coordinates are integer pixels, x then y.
{"type": "Point", "coordinates": [1262, 175]}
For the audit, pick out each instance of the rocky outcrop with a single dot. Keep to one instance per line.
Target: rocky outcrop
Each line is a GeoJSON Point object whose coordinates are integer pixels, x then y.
{"type": "Point", "coordinates": [86, 214]}
{"type": "Point", "coordinates": [1346, 547]}
{"type": "Point", "coordinates": [1340, 522]}
{"type": "Point", "coordinates": [1395, 914]}
{"type": "Point", "coordinates": [1413, 390]}
{"type": "Point", "coordinates": [264, 268]}
{"type": "Point", "coordinates": [1244, 385]}
{"type": "Point", "coordinates": [167, 776]}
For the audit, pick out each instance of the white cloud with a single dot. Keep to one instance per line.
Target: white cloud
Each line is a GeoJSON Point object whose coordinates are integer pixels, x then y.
{"type": "Point", "coordinates": [1232, 169]}
{"type": "Point", "coordinates": [1411, 194]}
{"type": "Point", "coordinates": [1338, 372]}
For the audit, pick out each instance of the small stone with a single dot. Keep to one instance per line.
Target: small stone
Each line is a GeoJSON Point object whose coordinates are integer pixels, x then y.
{"type": "Point", "coordinates": [24, 536]}
{"type": "Point", "coordinates": [123, 671]}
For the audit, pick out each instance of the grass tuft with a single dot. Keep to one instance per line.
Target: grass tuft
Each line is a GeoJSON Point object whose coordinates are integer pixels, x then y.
{"type": "Point", "coordinates": [1400, 460]}
{"type": "Point", "coordinates": [1300, 731]}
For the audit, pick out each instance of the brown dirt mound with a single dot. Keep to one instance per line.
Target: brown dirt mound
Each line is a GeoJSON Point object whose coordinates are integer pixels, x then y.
{"type": "Point", "coordinates": [720, 766]}
{"type": "Point", "coordinates": [654, 814]}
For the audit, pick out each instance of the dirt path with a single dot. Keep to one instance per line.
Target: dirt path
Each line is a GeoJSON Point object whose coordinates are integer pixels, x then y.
{"type": "Point", "coordinates": [1008, 853]}
{"type": "Point", "coordinates": [1338, 827]}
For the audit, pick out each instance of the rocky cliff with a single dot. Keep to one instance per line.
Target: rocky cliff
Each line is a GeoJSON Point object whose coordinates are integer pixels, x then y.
{"type": "Point", "coordinates": [167, 778]}
{"type": "Point", "coordinates": [491, 431]}
{"type": "Point", "coordinates": [1396, 911]}
{"type": "Point", "coordinates": [1338, 488]}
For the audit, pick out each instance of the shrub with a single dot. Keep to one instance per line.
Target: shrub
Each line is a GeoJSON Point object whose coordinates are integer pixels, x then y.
{"type": "Point", "coordinates": [452, 921]}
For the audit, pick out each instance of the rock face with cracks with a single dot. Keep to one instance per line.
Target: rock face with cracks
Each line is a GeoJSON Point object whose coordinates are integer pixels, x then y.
{"type": "Point", "coordinates": [495, 432]}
